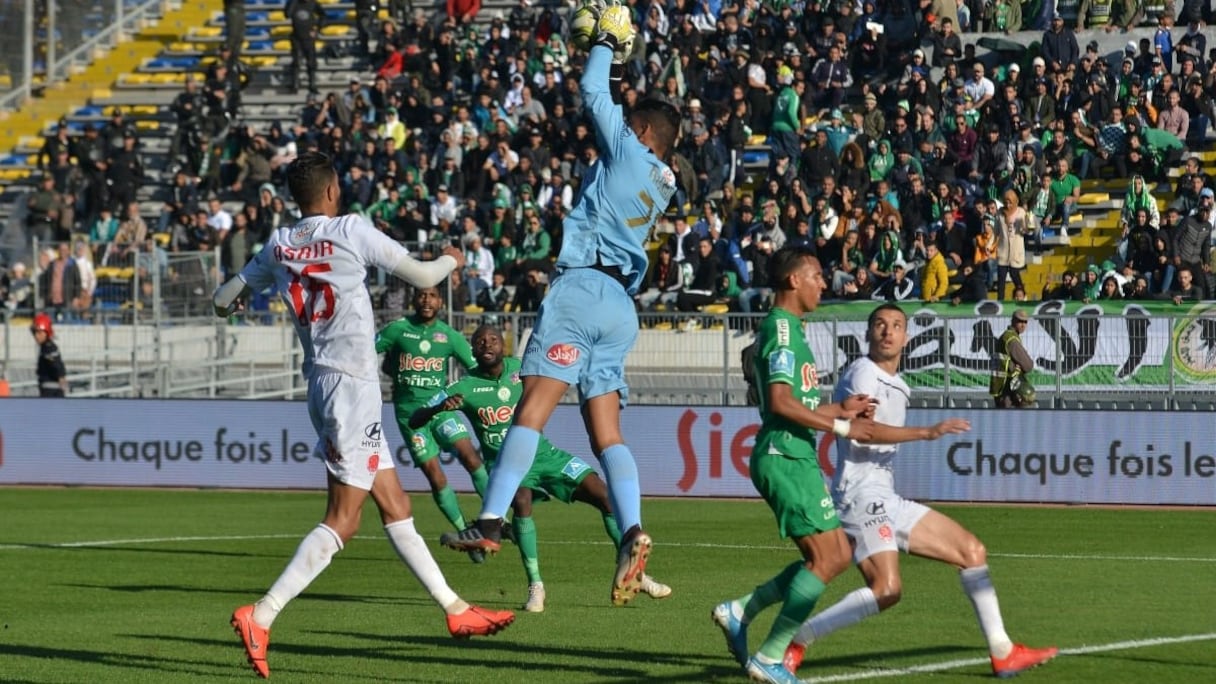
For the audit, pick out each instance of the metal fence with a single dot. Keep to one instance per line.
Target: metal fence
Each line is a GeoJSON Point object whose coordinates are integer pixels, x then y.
{"type": "Point", "coordinates": [46, 39]}
{"type": "Point", "coordinates": [1153, 362]}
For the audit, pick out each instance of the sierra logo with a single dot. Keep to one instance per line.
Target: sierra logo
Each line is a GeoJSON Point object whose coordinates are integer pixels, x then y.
{"type": "Point", "coordinates": [739, 448]}
{"type": "Point", "coordinates": [409, 362]}
{"type": "Point", "coordinates": [562, 354]}
{"type": "Point", "coordinates": [490, 416]}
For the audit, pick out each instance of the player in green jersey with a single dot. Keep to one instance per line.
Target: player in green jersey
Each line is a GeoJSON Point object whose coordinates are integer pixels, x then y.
{"type": "Point", "coordinates": [416, 351]}
{"type": "Point", "coordinates": [785, 467]}
{"type": "Point", "coordinates": [487, 396]}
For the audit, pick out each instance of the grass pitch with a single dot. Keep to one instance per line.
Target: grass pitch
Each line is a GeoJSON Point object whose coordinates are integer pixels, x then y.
{"type": "Point", "coordinates": [137, 586]}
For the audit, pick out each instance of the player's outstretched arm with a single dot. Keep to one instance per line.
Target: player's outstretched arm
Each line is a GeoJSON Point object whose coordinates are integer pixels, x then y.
{"type": "Point", "coordinates": [614, 39]}
{"type": "Point", "coordinates": [881, 433]}
{"type": "Point", "coordinates": [438, 404]}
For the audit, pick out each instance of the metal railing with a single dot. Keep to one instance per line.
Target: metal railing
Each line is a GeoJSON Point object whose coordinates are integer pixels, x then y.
{"type": "Point", "coordinates": [48, 39]}
{"type": "Point", "coordinates": [1125, 361]}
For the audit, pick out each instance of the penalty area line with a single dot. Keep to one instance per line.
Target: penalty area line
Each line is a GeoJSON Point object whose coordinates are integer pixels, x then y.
{"type": "Point", "coordinates": [929, 668]}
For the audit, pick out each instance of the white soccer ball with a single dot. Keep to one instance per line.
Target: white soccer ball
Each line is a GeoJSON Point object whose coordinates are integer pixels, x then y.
{"type": "Point", "coordinates": [582, 27]}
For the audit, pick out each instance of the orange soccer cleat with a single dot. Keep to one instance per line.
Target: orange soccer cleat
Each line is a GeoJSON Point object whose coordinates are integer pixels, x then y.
{"type": "Point", "coordinates": [793, 656]}
{"type": "Point", "coordinates": [1020, 659]}
{"type": "Point", "coordinates": [630, 567]}
{"type": "Point", "coordinates": [255, 638]}
{"type": "Point", "coordinates": [477, 621]}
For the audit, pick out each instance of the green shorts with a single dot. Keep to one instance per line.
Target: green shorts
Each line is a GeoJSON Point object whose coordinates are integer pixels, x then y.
{"type": "Point", "coordinates": [440, 434]}
{"type": "Point", "coordinates": [556, 474]}
{"type": "Point", "coordinates": [794, 489]}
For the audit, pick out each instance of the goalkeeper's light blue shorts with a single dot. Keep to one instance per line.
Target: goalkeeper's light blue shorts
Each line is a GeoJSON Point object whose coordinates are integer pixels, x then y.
{"type": "Point", "coordinates": [585, 328]}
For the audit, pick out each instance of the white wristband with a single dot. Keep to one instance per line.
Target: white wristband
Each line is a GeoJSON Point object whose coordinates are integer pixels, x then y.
{"type": "Point", "coordinates": [841, 427]}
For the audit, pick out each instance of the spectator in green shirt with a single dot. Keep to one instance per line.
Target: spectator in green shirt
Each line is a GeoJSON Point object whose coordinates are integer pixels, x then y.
{"type": "Point", "coordinates": [1065, 191]}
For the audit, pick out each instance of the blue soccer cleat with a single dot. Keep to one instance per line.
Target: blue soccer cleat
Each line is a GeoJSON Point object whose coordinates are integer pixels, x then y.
{"type": "Point", "coordinates": [734, 629]}
{"type": "Point", "coordinates": [772, 673]}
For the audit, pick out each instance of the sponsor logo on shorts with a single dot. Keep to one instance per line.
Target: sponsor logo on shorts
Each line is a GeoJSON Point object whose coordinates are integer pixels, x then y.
{"type": "Point", "coordinates": [450, 427]}
{"type": "Point", "coordinates": [574, 467]}
{"type": "Point", "coordinates": [886, 533]}
{"type": "Point", "coordinates": [562, 354]}
{"type": "Point", "coordinates": [372, 434]}
{"type": "Point", "coordinates": [373, 464]}
{"type": "Point", "coordinates": [876, 508]}
{"type": "Point", "coordinates": [781, 362]}
{"type": "Point", "coordinates": [880, 520]}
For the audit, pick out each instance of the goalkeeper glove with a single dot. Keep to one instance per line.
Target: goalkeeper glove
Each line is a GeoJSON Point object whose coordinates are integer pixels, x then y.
{"type": "Point", "coordinates": [615, 29]}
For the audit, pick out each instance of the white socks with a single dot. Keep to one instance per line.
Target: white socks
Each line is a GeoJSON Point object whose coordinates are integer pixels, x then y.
{"type": "Point", "coordinates": [978, 587]}
{"type": "Point", "coordinates": [312, 557]}
{"type": "Point", "coordinates": [856, 606]}
{"type": "Point", "coordinates": [410, 546]}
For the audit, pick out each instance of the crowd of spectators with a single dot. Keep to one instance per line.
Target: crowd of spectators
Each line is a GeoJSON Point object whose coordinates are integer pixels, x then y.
{"type": "Point", "coordinates": [914, 168]}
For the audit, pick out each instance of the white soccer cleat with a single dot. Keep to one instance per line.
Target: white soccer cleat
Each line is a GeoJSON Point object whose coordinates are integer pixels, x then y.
{"type": "Point", "coordinates": [536, 598]}
{"type": "Point", "coordinates": [654, 589]}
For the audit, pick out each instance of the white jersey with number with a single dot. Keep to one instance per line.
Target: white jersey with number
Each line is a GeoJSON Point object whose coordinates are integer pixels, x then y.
{"type": "Point", "coordinates": [859, 465]}
{"type": "Point", "coordinates": [319, 266]}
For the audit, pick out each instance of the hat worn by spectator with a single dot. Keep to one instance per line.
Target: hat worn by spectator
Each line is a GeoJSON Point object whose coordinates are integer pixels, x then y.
{"type": "Point", "coordinates": [1039, 61]}
{"type": "Point", "coordinates": [1015, 67]}
{"type": "Point", "coordinates": [1130, 47]}
{"type": "Point", "coordinates": [694, 103]}
{"type": "Point", "coordinates": [698, 131]}
{"type": "Point", "coordinates": [1207, 192]}
{"type": "Point", "coordinates": [836, 114]}
{"type": "Point", "coordinates": [442, 188]}
{"type": "Point", "coordinates": [870, 97]}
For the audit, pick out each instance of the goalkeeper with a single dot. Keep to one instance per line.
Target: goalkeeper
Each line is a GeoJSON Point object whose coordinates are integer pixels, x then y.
{"type": "Point", "coordinates": [601, 263]}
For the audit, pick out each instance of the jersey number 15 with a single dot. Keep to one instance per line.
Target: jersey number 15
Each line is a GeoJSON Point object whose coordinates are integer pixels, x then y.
{"type": "Point", "coordinates": [307, 293]}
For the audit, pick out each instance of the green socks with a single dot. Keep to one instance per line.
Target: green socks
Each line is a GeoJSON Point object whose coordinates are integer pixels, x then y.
{"type": "Point", "coordinates": [480, 478]}
{"type": "Point", "coordinates": [613, 530]}
{"type": "Point", "coordinates": [768, 593]}
{"type": "Point", "coordinates": [800, 597]}
{"type": "Point", "coordinates": [525, 532]}
{"type": "Point", "coordinates": [446, 500]}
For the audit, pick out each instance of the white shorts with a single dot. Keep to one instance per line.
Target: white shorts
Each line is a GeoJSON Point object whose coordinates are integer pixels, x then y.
{"type": "Point", "coordinates": [877, 519]}
{"type": "Point", "coordinates": [346, 414]}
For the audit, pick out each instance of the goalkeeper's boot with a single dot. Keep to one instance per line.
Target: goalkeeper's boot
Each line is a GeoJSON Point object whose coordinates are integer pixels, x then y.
{"type": "Point", "coordinates": [476, 621]}
{"type": "Point", "coordinates": [734, 629]}
{"type": "Point", "coordinates": [654, 589]}
{"type": "Point", "coordinates": [482, 535]}
{"type": "Point", "coordinates": [1021, 659]}
{"type": "Point", "coordinates": [630, 566]}
{"type": "Point", "coordinates": [536, 598]}
{"type": "Point", "coordinates": [255, 638]}
{"type": "Point", "coordinates": [772, 673]}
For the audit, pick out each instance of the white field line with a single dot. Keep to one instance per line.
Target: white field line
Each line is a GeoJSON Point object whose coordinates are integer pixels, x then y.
{"type": "Point", "coordinates": [101, 543]}
{"type": "Point", "coordinates": [928, 668]}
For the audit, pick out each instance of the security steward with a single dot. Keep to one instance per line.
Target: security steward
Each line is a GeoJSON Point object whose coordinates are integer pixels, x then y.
{"type": "Point", "coordinates": [1011, 365]}
{"type": "Point", "coordinates": [306, 16]}
{"type": "Point", "coordinates": [52, 376]}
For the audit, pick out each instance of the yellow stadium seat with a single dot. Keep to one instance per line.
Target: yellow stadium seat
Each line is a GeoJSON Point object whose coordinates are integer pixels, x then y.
{"type": "Point", "coordinates": [276, 16]}
{"type": "Point", "coordinates": [206, 32]}
{"type": "Point", "coordinates": [134, 79]}
{"type": "Point", "coordinates": [282, 46]}
{"type": "Point", "coordinates": [473, 309]}
{"type": "Point", "coordinates": [1208, 156]}
{"type": "Point", "coordinates": [337, 30]}
{"type": "Point", "coordinates": [162, 239]}
{"type": "Point", "coordinates": [147, 125]}
{"type": "Point", "coordinates": [143, 110]}
{"type": "Point", "coordinates": [100, 94]}
{"type": "Point", "coordinates": [715, 309]}
{"type": "Point", "coordinates": [280, 31]}
{"type": "Point", "coordinates": [105, 272]}
{"type": "Point", "coordinates": [1093, 198]}
{"type": "Point", "coordinates": [263, 61]}
{"type": "Point", "coordinates": [181, 46]}
{"type": "Point", "coordinates": [757, 140]}
{"type": "Point", "coordinates": [31, 160]}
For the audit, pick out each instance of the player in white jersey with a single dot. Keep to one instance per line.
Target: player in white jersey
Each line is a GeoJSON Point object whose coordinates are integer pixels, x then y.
{"type": "Point", "coordinates": [319, 266]}
{"type": "Point", "coordinates": [880, 522]}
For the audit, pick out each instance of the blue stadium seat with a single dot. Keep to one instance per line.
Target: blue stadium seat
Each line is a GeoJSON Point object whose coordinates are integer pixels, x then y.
{"type": "Point", "coordinates": [260, 45]}
{"type": "Point", "coordinates": [12, 160]}
{"type": "Point", "coordinates": [88, 111]}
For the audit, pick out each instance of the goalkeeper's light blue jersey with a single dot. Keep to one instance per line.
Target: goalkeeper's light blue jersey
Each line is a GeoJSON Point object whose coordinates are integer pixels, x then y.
{"type": "Point", "coordinates": [622, 194]}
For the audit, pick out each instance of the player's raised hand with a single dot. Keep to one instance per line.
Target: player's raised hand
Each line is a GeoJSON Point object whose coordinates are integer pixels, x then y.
{"type": "Point", "coordinates": [453, 402]}
{"type": "Point", "coordinates": [950, 426]}
{"type": "Point", "coordinates": [615, 29]}
{"type": "Point", "coordinates": [455, 254]}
